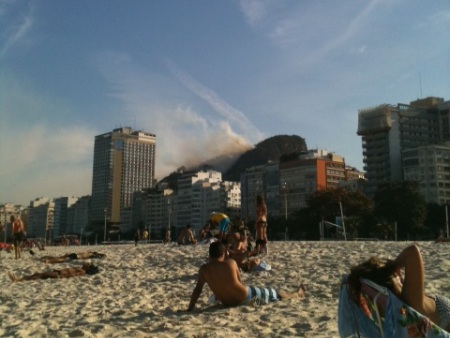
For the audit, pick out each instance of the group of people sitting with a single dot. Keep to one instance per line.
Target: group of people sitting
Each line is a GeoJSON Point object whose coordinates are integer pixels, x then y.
{"type": "Point", "coordinates": [235, 237]}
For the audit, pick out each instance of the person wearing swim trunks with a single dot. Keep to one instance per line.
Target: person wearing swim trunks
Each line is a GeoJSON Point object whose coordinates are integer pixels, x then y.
{"type": "Point", "coordinates": [405, 278]}
{"type": "Point", "coordinates": [222, 221]}
{"type": "Point", "coordinates": [86, 269]}
{"type": "Point", "coordinates": [224, 279]}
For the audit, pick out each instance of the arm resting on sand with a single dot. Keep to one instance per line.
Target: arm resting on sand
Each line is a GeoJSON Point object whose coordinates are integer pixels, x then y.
{"type": "Point", "coordinates": [197, 291]}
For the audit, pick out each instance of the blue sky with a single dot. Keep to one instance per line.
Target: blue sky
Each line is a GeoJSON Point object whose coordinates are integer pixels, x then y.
{"type": "Point", "coordinates": [206, 77]}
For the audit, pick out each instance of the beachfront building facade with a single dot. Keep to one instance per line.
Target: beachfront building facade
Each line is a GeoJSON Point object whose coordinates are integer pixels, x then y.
{"type": "Point", "coordinates": [62, 204]}
{"type": "Point", "coordinates": [304, 173]}
{"type": "Point", "coordinates": [387, 131]}
{"type": "Point", "coordinates": [430, 166]}
{"type": "Point", "coordinates": [287, 185]}
{"type": "Point", "coordinates": [124, 162]}
{"type": "Point", "coordinates": [78, 216]}
{"type": "Point", "coordinates": [152, 209]}
{"type": "Point", "coordinates": [40, 219]}
{"type": "Point", "coordinates": [201, 192]}
{"type": "Point", "coordinates": [260, 180]}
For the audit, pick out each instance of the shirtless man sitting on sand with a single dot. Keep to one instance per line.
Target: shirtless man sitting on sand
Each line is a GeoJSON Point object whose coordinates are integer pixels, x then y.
{"type": "Point", "coordinates": [71, 256]}
{"type": "Point", "coordinates": [86, 269]}
{"type": "Point", "coordinates": [223, 278]}
{"type": "Point", "coordinates": [186, 236]}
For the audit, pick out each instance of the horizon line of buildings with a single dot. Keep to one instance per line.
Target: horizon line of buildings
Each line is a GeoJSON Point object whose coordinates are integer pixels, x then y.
{"type": "Point", "coordinates": [400, 142]}
{"type": "Point", "coordinates": [285, 185]}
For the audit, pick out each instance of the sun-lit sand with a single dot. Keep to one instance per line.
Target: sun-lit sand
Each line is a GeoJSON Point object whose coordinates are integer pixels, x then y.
{"type": "Point", "coordinates": [143, 291]}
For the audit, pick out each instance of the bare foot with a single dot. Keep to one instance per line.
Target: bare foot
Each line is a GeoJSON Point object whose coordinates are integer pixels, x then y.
{"type": "Point", "coordinates": [302, 291]}
{"type": "Point", "coordinates": [13, 276]}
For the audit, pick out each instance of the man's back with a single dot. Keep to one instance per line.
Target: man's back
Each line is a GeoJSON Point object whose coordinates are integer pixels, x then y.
{"type": "Point", "coordinates": [224, 281]}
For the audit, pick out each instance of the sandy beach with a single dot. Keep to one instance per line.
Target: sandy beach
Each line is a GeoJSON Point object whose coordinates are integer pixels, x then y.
{"type": "Point", "coordinates": [143, 291]}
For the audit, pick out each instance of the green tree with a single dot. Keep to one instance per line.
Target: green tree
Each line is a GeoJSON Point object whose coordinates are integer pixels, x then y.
{"type": "Point", "coordinates": [326, 205]}
{"type": "Point", "coordinates": [436, 221]}
{"type": "Point", "coordinates": [401, 203]}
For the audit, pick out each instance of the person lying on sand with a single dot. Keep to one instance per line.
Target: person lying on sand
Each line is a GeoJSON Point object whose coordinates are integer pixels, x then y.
{"type": "Point", "coordinates": [223, 278]}
{"type": "Point", "coordinates": [71, 256]}
{"type": "Point", "coordinates": [442, 239]}
{"type": "Point", "coordinates": [405, 278]}
{"type": "Point", "coordinates": [86, 269]}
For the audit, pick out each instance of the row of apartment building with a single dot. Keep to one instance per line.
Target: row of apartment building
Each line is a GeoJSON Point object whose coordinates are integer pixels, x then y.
{"type": "Point", "coordinates": [399, 142]}
{"type": "Point", "coordinates": [285, 185]}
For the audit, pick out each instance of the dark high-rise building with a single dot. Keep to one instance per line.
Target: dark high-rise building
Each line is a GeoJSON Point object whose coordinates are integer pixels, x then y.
{"type": "Point", "coordinates": [124, 162]}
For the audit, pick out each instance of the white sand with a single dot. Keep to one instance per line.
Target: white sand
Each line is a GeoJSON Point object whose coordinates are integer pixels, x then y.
{"type": "Point", "coordinates": [140, 292]}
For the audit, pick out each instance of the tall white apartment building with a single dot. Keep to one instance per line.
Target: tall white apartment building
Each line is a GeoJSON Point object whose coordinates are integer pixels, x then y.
{"type": "Point", "coordinates": [78, 216]}
{"type": "Point", "coordinates": [430, 166]}
{"type": "Point", "coordinates": [40, 220]}
{"type": "Point", "coordinates": [124, 162]}
{"type": "Point", "coordinates": [388, 130]}
{"type": "Point", "coordinates": [59, 226]}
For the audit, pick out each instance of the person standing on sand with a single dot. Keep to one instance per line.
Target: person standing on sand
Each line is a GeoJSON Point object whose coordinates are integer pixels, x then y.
{"type": "Point", "coordinates": [224, 279]}
{"type": "Point", "coordinates": [261, 224]}
{"type": "Point", "coordinates": [18, 234]}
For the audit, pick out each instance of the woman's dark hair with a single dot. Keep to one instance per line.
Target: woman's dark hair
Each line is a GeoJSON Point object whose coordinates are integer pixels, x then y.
{"type": "Point", "coordinates": [374, 270]}
{"type": "Point", "coordinates": [260, 200]}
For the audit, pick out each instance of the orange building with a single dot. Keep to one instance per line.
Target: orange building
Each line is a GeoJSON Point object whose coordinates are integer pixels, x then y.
{"type": "Point", "coordinates": [308, 172]}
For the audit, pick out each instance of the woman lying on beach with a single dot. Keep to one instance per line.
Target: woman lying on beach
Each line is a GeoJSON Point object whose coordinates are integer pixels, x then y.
{"type": "Point", "coordinates": [86, 269]}
{"type": "Point", "coordinates": [71, 256]}
{"type": "Point", "coordinates": [409, 289]}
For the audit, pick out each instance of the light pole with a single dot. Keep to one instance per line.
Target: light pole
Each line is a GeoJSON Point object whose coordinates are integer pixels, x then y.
{"type": "Point", "coordinates": [104, 234]}
{"type": "Point", "coordinates": [285, 210]}
{"type": "Point", "coordinates": [343, 223]}
{"type": "Point", "coordinates": [168, 213]}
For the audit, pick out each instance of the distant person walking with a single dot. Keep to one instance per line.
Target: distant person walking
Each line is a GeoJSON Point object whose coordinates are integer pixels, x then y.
{"type": "Point", "coordinates": [18, 234]}
{"type": "Point", "coordinates": [261, 224]}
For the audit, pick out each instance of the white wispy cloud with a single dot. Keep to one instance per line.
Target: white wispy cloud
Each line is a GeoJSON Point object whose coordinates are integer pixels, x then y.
{"type": "Point", "coordinates": [16, 32]}
{"type": "Point", "coordinates": [185, 135]}
{"type": "Point", "coordinates": [233, 115]}
{"type": "Point", "coordinates": [43, 157]}
{"type": "Point", "coordinates": [255, 11]}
